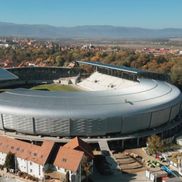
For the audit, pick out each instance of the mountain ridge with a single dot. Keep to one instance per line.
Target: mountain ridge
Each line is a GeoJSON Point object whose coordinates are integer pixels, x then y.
{"type": "Point", "coordinates": [86, 31]}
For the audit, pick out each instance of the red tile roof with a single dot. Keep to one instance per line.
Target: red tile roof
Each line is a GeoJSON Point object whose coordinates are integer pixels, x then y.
{"type": "Point", "coordinates": [70, 155]}
{"type": "Point", "coordinates": [27, 151]}
{"type": "Point", "coordinates": [78, 144]}
{"type": "Point", "coordinates": [68, 159]}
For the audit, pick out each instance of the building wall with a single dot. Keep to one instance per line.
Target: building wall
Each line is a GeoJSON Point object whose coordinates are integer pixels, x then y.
{"type": "Point", "coordinates": [136, 122]}
{"type": "Point", "coordinates": [113, 124]}
{"type": "Point", "coordinates": [160, 117]}
{"type": "Point", "coordinates": [22, 165]}
{"type": "Point", "coordinates": [2, 158]}
{"type": "Point", "coordinates": [174, 111]}
{"type": "Point", "coordinates": [51, 126]}
{"type": "Point", "coordinates": [35, 169]}
{"type": "Point", "coordinates": [61, 170]}
{"type": "Point", "coordinates": [17, 122]}
{"type": "Point", "coordinates": [74, 177]}
{"type": "Point", "coordinates": [31, 168]}
{"type": "Point", "coordinates": [88, 127]}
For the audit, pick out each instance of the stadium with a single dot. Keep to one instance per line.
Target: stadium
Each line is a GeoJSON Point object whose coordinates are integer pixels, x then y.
{"type": "Point", "coordinates": [114, 102]}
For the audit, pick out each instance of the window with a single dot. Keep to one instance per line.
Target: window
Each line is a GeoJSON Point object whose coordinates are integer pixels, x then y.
{"type": "Point", "coordinates": [64, 160]}
{"type": "Point", "coordinates": [39, 169]}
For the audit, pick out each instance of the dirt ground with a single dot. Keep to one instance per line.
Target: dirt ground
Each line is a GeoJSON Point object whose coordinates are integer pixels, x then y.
{"type": "Point", "coordinates": [131, 161]}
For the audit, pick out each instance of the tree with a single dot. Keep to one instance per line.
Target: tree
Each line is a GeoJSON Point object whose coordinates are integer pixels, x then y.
{"type": "Point", "coordinates": [59, 61]}
{"type": "Point", "coordinates": [10, 161]}
{"type": "Point", "coordinates": [66, 179]}
{"type": "Point", "coordinates": [86, 167]}
{"type": "Point", "coordinates": [176, 73]}
{"type": "Point", "coordinates": [154, 144]}
{"type": "Point", "coordinates": [161, 59]}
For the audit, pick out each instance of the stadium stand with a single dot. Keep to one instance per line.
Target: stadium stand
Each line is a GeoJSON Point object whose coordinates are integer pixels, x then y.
{"type": "Point", "coordinates": [99, 81]}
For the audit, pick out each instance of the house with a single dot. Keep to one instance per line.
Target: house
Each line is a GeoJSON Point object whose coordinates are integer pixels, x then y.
{"type": "Point", "coordinates": [70, 158]}
{"type": "Point", "coordinates": [29, 158]}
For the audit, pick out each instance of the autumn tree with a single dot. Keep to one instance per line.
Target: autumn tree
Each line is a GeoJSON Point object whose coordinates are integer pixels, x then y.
{"type": "Point", "coordinates": [154, 144]}
{"type": "Point", "coordinates": [86, 167]}
{"type": "Point", "coordinates": [176, 73]}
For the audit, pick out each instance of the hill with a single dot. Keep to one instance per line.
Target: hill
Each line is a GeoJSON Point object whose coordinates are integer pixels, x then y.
{"type": "Point", "coordinates": [86, 32]}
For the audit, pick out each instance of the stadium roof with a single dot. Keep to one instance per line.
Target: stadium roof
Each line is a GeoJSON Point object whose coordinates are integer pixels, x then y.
{"type": "Point", "coordinates": [6, 75]}
{"type": "Point", "coordinates": [113, 67]}
{"type": "Point", "coordinates": [148, 95]}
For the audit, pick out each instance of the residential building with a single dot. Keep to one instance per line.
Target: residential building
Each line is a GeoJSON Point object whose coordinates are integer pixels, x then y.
{"type": "Point", "coordinates": [70, 159]}
{"type": "Point", "coordinates": [33, 159]}
{"type": "Point", "coordinates": [29, 158]}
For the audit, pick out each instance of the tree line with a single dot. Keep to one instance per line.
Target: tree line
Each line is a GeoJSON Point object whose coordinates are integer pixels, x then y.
{"type": "Point", "coordinates": [56, 56]}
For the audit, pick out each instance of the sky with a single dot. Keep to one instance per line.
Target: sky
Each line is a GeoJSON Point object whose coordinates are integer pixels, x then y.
{"type": "Point", "coordinates": [128, 13]}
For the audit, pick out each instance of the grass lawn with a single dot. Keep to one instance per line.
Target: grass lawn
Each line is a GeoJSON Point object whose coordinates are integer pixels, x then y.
{"type": "Point", "coordinates": [55, 87]}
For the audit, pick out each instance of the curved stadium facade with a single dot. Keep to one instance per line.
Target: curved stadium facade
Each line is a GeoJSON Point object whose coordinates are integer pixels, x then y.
{"type": "Point", "coordinates": [145, 104]}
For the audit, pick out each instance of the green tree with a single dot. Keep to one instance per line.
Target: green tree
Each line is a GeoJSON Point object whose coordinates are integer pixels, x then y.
{"type": "Point", "coordinates": [161, 59]}
{"type": "Point", "coordinates": [10, 161]}
{"type": "Point", "coordinates": [59, 61]}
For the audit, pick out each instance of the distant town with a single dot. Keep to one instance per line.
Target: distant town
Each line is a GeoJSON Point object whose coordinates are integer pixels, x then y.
{"type": "Point", "coordinates": [162, 56]}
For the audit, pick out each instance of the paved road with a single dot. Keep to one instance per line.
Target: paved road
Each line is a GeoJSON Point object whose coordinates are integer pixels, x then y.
{"type": "Point", "coordinates": [104, 145]}
{"type": "Point", "coordinates": [119, 177]}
